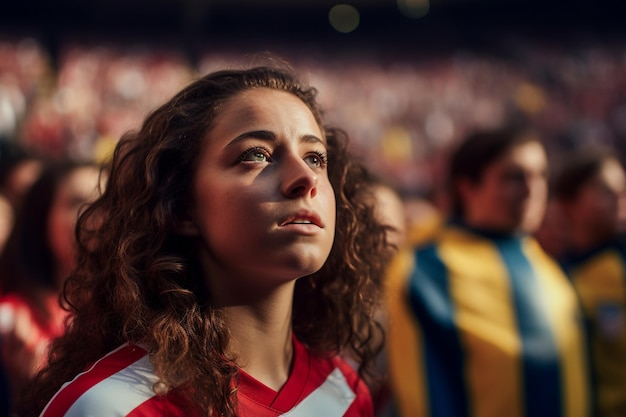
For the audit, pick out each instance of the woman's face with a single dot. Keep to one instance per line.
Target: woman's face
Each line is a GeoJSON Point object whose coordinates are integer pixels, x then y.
{"type": "Point", "coordinates": [263, 203]}
{"type": "Point", "coordinates": [76, 189]}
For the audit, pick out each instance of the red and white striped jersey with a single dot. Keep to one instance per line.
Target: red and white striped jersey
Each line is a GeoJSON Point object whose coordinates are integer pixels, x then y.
{"type": "Point", "coordinates": [121, 385]}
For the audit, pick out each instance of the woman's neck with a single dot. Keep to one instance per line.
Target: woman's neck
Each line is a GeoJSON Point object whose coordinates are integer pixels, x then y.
{"type": "Point", "coordinates": [261, 336]}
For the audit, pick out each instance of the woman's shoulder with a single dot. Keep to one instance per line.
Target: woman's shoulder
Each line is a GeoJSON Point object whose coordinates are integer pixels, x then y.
{"type": "Point", "coordinates": [117, 384]}
{"type": "Point", "coordinates": [333, 384]}
{"type": "Point", "coordinates": [361, 404]}
{"type": "Point", "coordinates": [334, 370]}
{"type": "Point", "coordinates": [350, 375]}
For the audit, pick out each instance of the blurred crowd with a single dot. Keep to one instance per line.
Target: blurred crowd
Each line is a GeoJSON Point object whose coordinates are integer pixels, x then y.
{"type": "Point", "coordinates": [402, 111]}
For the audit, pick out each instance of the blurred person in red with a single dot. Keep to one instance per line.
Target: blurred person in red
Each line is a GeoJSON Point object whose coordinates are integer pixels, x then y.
{"type": "Point", "coordinates": [6, 226]}
{"type": "Point", "coordinates": [591, 189]}
{"type": "Point", "coordinates": [483, 323]}
{"type": "Point", "coordinates": [39, 255]}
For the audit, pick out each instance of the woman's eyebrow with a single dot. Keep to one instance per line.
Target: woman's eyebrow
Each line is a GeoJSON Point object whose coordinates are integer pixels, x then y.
{"type": "Point", "coordinates": [266, 135]}
{"type": "Point", "coordinates": [313, 139]}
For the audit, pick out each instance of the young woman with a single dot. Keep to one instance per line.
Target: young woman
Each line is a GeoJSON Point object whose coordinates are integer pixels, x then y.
{"type": "Point", "coordinates": [38, 256]}
{"type": "Point", "coordinates": [229, 261]}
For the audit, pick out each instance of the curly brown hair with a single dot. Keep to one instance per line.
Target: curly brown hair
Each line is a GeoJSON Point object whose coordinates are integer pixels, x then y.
{"type": "Point", "coordinates": [138, 280]}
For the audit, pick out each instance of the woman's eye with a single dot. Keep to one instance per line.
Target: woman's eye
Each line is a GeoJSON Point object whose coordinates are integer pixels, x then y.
{"type": "Point", "coordinates": [255, 155]}
{"type": "Point", "coordinates": [317, 159]}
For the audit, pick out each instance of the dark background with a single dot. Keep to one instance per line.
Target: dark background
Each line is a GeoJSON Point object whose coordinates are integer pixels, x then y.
{"type": "Point", "coordinates": [199, 24]}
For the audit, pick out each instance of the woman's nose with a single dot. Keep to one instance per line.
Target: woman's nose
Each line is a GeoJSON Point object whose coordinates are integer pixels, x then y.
{"type": "Point", "coordinates": [298, 179]}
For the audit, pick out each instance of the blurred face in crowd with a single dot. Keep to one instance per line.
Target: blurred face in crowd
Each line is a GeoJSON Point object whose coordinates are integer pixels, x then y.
{"type": "Point", "coordinates": [78, 188]}
{"type": "Point", "coordinates": [389, 209]}
{"type": "Point", "coordinates": [511, 195]}
{"type": "Point", "coordinates": [597, 204]}
{"type": "Point", "coordinates": [21, 178]}
{"type": "Point", "coordinates": [7, 217]}
{"type": "Point", "coordinates": [263, 202]}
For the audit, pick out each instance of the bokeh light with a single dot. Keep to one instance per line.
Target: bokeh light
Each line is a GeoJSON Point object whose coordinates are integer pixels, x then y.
{"type": "Point", "coordinates": [344, 18]}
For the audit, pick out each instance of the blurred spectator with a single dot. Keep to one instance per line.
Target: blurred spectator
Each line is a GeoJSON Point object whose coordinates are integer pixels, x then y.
{"type": "Point", "coordinates": [20, 178]}
{"type": "Point", "coordinates": [387, 207]}
{"type": "Point", "coordinates": [36, 260]}
{"type": "Point", "coordinates": [591, 187]}
{"type": "Point", "coordinates": [482, 321]}
{"type": "Point", "coordinates": [18, 170]}
{"type": "Point", "coordinates": [390, 211]}
{"type": "Point", "coordinates": [6, 225]}
{"type": "Point", "coordinates": [7, 218]}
